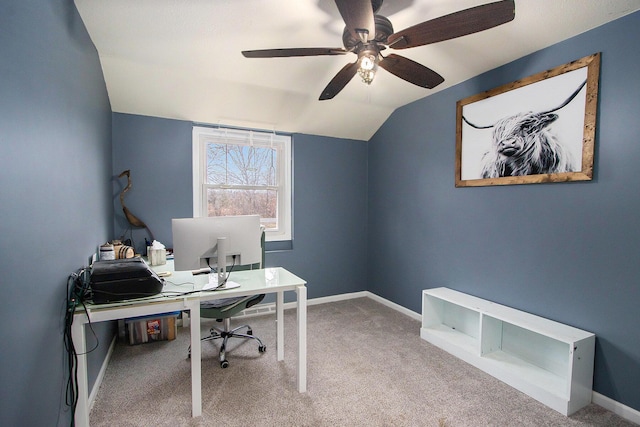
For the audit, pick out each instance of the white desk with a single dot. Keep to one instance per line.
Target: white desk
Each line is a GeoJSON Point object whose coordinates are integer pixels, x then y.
{"type": "Point", "coordinates": [253, 282]}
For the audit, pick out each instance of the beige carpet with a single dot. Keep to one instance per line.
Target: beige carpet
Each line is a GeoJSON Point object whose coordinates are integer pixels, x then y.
{"type": "Point", "coordinates": [367, 366]}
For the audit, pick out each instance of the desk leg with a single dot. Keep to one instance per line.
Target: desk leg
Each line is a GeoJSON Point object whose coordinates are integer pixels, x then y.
{"type": "Point", "coordinates": [196, 358]}
{"type": "Point", "coordinates": [301, 291]}
{"type": "Point", "coordinates": [80, 344]}
{"type": "Point", "coordinates": [280, 326]}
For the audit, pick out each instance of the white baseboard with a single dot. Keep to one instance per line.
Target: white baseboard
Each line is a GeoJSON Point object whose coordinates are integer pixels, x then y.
{"type": "Point", "coordinates": [103, 368]}
{"type": "Point", "coordinates": [616, 407]}
{"type": "Point", "coordinates": [397, 307]}
{"type": "Point", "coordinates": [260, 309]}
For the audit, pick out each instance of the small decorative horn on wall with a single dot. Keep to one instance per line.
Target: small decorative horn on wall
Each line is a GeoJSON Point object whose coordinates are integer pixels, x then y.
{"type": "Point", "coordinates": [131, 218]}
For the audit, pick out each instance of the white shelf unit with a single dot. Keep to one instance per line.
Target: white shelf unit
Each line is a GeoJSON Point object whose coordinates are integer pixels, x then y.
{"type": "Point", "coordinates": [549, 361]}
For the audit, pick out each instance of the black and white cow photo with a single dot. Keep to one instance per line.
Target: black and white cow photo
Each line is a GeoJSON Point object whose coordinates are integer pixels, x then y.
{"type": "Point", "coordinates": [534, 129]}
{"type": "Point", "coordinates": [524, 144]}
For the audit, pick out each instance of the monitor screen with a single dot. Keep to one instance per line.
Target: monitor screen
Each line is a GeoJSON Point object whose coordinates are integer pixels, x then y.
{"type": "Point", "coordinates": [195, 241]}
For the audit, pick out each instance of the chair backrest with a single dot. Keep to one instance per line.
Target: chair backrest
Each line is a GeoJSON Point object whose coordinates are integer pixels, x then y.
{"type": "Point", "coordinates": [257, 265]}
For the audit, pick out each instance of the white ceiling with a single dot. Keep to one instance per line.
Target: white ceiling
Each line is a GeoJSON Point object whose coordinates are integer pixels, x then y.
{"type": "Point", "coordinates": [181, 59]}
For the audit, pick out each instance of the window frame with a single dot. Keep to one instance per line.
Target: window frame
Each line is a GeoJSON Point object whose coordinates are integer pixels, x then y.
{"type": "Point", "coordinates": [202, 135]}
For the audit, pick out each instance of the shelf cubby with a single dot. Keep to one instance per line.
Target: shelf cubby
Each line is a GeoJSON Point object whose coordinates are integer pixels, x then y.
{"type": "Point", "coordinates": [547, 360]}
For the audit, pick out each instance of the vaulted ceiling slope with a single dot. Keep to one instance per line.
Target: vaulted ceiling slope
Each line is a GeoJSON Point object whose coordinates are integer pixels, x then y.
{"type": "Point", "coordinates": [182, 59]}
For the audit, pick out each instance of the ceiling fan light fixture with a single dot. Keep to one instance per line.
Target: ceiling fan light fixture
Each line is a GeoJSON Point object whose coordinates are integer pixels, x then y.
{"type": "Point", "coordinates": [366, 75]}
{"type": "Point", "coordinates": [368, 65]}
{"type": "Point", "coordinates": [367, 62]}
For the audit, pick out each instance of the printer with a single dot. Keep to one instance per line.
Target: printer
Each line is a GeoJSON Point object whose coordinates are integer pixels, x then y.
{"type": "Point", "coordinates": [123, 279]}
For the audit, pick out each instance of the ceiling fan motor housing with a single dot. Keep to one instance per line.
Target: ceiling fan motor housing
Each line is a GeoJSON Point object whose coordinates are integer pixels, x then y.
{"type": "Point", "coordinates": [384, 29]}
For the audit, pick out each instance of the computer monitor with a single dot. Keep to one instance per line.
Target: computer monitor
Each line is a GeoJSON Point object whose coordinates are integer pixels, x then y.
{"type": "Point", "coordinates": [214, 241]}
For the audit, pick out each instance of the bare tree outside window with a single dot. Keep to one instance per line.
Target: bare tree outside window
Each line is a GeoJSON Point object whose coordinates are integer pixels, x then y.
{"type": "Point", "coordinates": [242, 181]}
{"type": "Point", "coordinates": [244, 172]}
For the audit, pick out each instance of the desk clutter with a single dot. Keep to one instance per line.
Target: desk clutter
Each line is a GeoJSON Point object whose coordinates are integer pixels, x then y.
{"type": "Point", "coordinates": [159, 327]}
{"type": "Point", "coordinates": [115, 250]}
{"type": "Point", "coordinates": [157, 253]}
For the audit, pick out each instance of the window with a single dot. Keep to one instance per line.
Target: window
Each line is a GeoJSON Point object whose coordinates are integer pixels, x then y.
{"type": "Point", "coordinates": [240, 172]}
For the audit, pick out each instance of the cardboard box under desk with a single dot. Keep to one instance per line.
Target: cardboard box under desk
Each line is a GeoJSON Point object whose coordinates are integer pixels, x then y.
{"type": "Point", "coordinates": [159, 327]}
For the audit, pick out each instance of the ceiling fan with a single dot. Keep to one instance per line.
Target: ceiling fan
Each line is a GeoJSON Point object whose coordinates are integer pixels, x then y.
{"type": "Point", "coordinates": [367, 34]}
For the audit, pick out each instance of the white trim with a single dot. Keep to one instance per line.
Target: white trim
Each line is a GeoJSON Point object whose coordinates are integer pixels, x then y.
{"type": "Point", "coordinates": [616, 407]}
{"type": "Point", "coordinates": [397, 307]}
{"type": "Point", "coordinates": [281, 142]}
{"type": "Point", "coordinates": [103, 369]}
{"type": "Point", "coordinates": [260, 309]}
{"type": "Point", "coordinates": [197, 157]}
{"type": "Point", "coordinates": [335, 298]}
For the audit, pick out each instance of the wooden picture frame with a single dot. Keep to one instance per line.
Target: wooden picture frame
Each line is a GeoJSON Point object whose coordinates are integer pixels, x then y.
{"type": "Point", "coordinates": [535, 130]}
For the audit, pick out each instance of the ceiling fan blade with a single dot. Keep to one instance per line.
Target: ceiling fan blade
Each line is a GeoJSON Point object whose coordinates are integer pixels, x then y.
{"type": "Point", "coordinates": [454, 25]}
{"type": "Point", "coordinates": [339, 81]}
{"type": "Point", "coordinates": [358, 16]}
{"type": "Point", "coordinates": [303, 51]}
{"type": "Point", "coordinates": [411, 71]}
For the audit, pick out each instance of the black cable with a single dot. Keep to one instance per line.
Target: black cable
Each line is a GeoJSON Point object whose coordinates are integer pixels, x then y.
{"type": "Point", "coordinates": [172, 294]}
{"type": "Point", "coordinates": [77, 293]}
{"type": "Point", "coordinates": [71, 395]}
{"type": "Point", "coordinates": [179, 284]}
{"type": "Point", "coordinates": [224, 282]}
{"type": "Point", "coordinates": [97, 344]}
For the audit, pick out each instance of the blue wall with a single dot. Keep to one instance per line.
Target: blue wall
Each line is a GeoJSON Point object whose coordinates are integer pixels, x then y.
{"type": "Point", "coordinates": [329, 203]}
{"type": "Point", "coordinates": [55, 207]}
{"type": "Point", "coordinates": [567, 251]}
{"type": "Point", "coordinates": [564, 251]}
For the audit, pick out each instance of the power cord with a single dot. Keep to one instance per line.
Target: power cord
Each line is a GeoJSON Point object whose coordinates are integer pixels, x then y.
{"type": "Point", "coordinates": [224, 282]}
{"type": "Point", "coordinates": [78, 291]}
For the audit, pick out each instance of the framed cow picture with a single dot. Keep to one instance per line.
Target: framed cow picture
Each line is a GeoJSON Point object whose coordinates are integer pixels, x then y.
{"type": "Point", "coordinates": [535, 130]}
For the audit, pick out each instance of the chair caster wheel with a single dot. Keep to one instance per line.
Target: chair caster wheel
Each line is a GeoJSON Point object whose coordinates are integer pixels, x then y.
{"type": "Point", "coordinates": [262, 348]}
{"type": "Point", "coordinates": [224, 364]}
{"type": "Point", "coordinates": [249, 331]}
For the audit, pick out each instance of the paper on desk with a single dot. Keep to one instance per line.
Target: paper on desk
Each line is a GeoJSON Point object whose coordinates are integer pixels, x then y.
{"type": "Point", "coordinates": [213, 284]}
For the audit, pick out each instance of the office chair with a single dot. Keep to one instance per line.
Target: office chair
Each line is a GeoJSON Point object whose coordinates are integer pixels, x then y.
{"type": "Point", "coordinates": [223, 309]}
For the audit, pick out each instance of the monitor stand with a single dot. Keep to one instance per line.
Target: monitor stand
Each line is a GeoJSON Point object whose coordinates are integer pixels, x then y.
{"type": "Point", "coordinates": [213, 284]}
{"type": "Point", "coordinates": [221, 276]}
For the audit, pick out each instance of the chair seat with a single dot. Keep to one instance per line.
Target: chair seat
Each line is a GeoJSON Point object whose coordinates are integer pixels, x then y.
{"type": "Point", "coordinates": [222, 310]}
{"type": "Point", "coordinates": [228, 307]}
